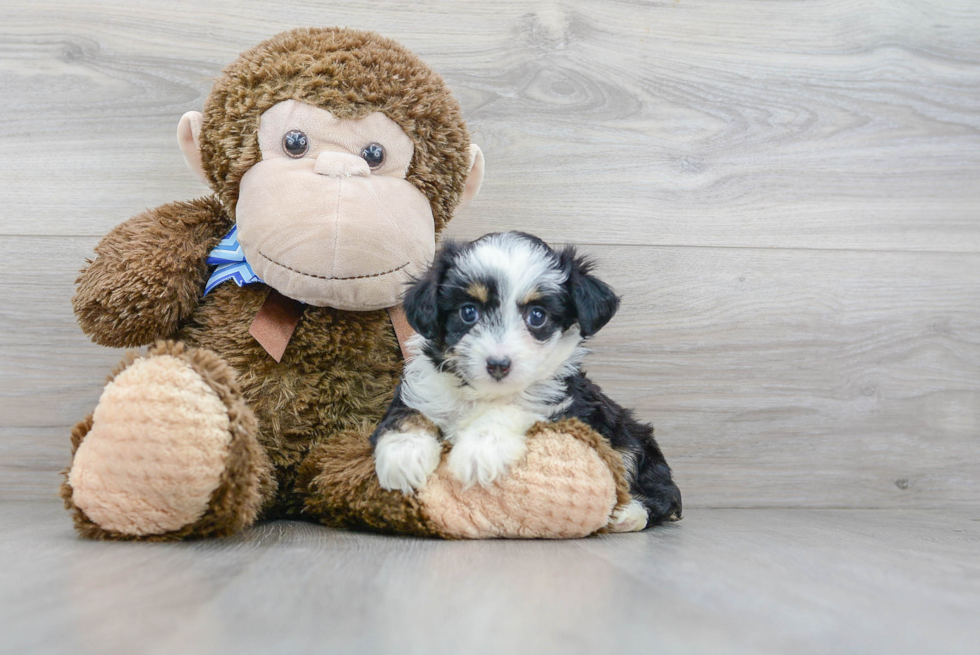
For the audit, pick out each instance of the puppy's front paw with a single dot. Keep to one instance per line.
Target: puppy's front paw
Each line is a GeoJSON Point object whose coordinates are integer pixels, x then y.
{"type": "Point", "coordinates": [485, 455]}
{"type": "Point", "coordinates": [404, 460]}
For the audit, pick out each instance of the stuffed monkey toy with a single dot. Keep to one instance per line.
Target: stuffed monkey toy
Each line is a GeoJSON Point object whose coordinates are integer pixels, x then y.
{"type": "Point", "coordinates": [336, 157]}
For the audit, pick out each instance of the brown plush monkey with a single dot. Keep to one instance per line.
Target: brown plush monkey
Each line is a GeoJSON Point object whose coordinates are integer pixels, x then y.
{"type": "Point", "coordinates": [337, 156]}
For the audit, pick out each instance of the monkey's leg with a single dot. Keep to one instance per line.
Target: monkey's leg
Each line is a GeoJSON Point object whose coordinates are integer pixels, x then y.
{"type": "Point", "coordinates": [567, 485]}
{"type": "Point", "coordinates": [342, 490]}
{"type": "Point", "coordinates": [169, 453]}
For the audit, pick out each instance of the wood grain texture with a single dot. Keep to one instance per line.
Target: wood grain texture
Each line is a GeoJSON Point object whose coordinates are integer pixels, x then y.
{"type": "Point", "coordinates": [827, 124]}
{"type": "Point", "coordinates": [719, 582]}
{"type": "Point", "coordinates": [776, 378]}
{"type": "Point", "coordinates": [785, 193]}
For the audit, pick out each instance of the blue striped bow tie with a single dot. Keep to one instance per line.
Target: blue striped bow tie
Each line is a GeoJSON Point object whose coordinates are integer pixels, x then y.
{"type": "Point", "coordinates": [230, 260]}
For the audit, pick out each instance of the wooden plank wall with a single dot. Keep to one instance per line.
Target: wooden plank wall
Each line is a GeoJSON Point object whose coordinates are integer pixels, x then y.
{"type": "Point", "coordinates": [786, 193]}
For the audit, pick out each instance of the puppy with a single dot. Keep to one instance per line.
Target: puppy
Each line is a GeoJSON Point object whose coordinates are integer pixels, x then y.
{"type": "Point", "coordinates": [500, 323]}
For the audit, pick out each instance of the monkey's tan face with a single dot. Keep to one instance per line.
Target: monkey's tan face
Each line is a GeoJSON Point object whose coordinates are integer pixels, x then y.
{"type": "Point", "coordinates": [327, 217]}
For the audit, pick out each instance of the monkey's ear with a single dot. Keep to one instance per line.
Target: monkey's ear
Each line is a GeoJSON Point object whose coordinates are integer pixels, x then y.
{"type": "Point", "coordinates": [189, 139]}
{"type": "Point", "coordinates": [475, 178]}
{"type": "Point", "coordinates": [595, 302]}
{"type": "Point", "coordinates": [421, 302]}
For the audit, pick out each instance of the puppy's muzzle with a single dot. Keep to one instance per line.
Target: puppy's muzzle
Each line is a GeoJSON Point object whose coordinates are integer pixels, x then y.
{"type": "Point", "coordinates": [498, 368]}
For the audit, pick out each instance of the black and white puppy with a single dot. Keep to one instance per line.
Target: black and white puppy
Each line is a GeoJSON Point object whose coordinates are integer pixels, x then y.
{"type": "Point", "coordinates": [500, 323]}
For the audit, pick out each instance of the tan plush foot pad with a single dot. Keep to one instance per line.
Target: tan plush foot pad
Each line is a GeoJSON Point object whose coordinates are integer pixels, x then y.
{"type": "Point", "coordinates": [567, 486]}
{"type": "Point", "coordinates": [158, 447]}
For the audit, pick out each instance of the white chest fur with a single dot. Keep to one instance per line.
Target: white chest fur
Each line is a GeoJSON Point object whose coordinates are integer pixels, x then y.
{"type": "Point", "coordinates": [456, 408]}
{"type": "Point", "coordinates": [487, 427]}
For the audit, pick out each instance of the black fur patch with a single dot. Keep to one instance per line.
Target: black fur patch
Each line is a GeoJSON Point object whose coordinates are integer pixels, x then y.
{"type": "Point", "coordinates": [421, 301]}
{"type": "Point", "coordinates": [594, 301]}
{"type": "Point", "coordinates": [396, 413]}
{"type": "Point", "coordinates": [650, 482]}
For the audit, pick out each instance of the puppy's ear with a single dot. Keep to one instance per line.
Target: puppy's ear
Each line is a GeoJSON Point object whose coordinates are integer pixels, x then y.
{"type": "Point", "coordinates": [594, 301]}
{"type": "Point", "coordinates": [422, 298]}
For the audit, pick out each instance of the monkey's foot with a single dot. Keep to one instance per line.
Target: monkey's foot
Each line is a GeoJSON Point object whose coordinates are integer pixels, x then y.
{"type": "Point", "coordinates": [567, 485]}
{"type": "Point", "coordinates": [169, 453]}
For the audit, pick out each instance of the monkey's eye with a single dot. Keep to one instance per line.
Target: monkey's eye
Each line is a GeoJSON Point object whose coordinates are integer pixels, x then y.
{"type": "Point", "coordinates": [373, 154]}
{"type": "Point", "coordinates": [295, 143]}
{"type": "Point", "coordinates": [535, 317]}
{"type": "Point", "coordinates": [469, 314]}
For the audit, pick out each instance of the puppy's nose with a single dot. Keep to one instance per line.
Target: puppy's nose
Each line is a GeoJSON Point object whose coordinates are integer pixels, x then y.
{"type": "Point", "coordinates": [498, 368]}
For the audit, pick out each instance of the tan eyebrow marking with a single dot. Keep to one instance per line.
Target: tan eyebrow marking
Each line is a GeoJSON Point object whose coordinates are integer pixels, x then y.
{"type": "Point", "coordinates": [531, 296]}
{"type": "Point", "coordinates": [478, 291]}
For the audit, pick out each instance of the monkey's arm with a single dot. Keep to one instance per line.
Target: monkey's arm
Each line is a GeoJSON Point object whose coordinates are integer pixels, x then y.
{"type": "Point", "coordinates": [149, 273]}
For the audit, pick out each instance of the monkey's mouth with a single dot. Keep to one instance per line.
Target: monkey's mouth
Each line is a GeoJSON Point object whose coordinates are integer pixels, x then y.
{"type": "Point", "coordinates": [325, 277]}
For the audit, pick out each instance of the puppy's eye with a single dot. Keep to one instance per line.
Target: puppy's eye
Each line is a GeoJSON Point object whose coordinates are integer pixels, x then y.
{"type": "Point", "coordinates": [373, 154]}
{"type": "Point", "coordinates": [469, 314]}
{"type": "Point", "coordinates": [535, 317]}
{"type": "Point", "coordinates": [295, 144]}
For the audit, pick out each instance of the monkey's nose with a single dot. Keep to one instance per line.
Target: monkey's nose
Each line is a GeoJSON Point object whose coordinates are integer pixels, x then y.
{"type": "Point", "coordinates": [498, 368]}
{"type": "Point", "coordinates": [341, 164]}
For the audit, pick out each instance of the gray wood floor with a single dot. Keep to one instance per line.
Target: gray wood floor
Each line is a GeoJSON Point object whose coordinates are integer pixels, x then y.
{"type": "Point", "coordinates": [721, 581]}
